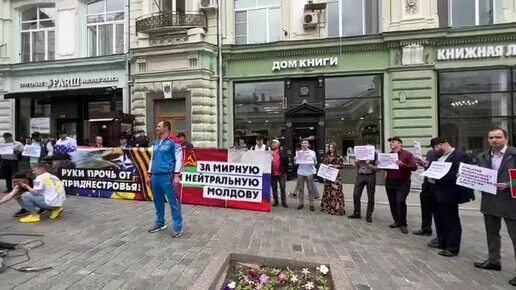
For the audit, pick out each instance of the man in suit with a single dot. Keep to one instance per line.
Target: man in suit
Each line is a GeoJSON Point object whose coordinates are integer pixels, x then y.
{"type": "Point", "coordinates": [500, 157]}
{"type": "Point", "coordinates": [426, 197]}
{"type": "Point", "coordinates": [448, 196]}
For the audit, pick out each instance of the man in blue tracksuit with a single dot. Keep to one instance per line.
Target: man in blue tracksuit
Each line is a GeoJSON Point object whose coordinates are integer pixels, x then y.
{"type": "Point", "coordinates": [164, 173]}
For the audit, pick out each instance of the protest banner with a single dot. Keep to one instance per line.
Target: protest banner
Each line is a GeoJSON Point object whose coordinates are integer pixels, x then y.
{"type": "Point", "coordinates": [437, 170]}
{"type": "Point", "coordinates": [227, 178]}
{"type": "Point", "coordinates": [512, 174]}
{"type": "Point", "coordinates": [364, 152]}
{"type": "Point", "coordinates": [478, 178]}
{"type": "Point", "coordinates": [31, 151]}
{"type": "Point", "coordinates": [417, 149]}
{"type": "Point", "coordinates": [6, 148]}
{"type": "Point", "coordinates": [328, 172]}
{"type": "Point", "coordinates": [388, 161]}
{"type": "Point", "coordinates": [304, 157]}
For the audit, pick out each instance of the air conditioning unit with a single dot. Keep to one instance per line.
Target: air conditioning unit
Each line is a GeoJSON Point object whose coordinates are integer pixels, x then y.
{"type": "Point", "coordinates": [310, 19]}
{"type": "Point", "coordinates": [208, 4]}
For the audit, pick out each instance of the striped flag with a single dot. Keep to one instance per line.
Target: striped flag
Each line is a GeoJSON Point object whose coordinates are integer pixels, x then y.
{"type": "Point", "coordinates": [512, 173]}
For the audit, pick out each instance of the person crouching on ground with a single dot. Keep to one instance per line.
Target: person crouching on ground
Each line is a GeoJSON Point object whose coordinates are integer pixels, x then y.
{"type": "Point", "coordinates": [19, 177]}
{"type": "Point", "coordinates": [48, 193]}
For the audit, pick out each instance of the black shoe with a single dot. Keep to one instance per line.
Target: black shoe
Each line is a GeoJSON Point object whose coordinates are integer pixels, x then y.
{"type": "Point", "coordinates": [312, 208]}
{"type": "Point", "coordinates": [275, 203]}
{"type": "Point", "coordinates": [299, 206]}
{"type": "Point", "coordinates": [284, 204]}
{"type": "Point", "coordinates": [435, 240]}
{"type": "Point", "coordinates": [176, 234]}
{"type": "Point", "coordinates": [368, 219]}
{"type": "Point", "coordinates": [292, 194]}
{"type": "Point", "coordinates": [404, 230]}
{"type": "Point", "coordinates": [423, 232]}
{"type": "Point", "coordinates": [394, 225]}
{"type": "Point", "coordinates": [447, 253]}
{"type": "Point", "coordinates": [21, 212]}
{"type": "Point", "coordinates": [43, 211]}
{"type": "Point", "coordinates": [435, 245]}
{"type": "Point", "coordinates": [513, 282]}
{"type": "Point", "coordinates": [486, 265]}
{"type": "Point", "coordinates": [157, 228]}
{"type": "Point", "coordinates": [354, 216]}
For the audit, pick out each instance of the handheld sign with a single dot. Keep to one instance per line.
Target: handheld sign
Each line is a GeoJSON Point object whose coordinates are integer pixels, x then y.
{"type": "Point", "coordinates": [31, 151]}
{"type": "Point", "coordinates": [478, 178]}
{"type": "Point", "coordinates": [328, 172]}
{"type": "Point", "coordinates": [6, 149]}
{"type": "Point", "coordinates": [304, 157]}
{"type": "Point", "coordinates": [388, 161]}
{"type": "Point", "coordinates": [417, 148]}
{"type": "Point", "coordinates": [437, 170]}
{"type": "Point", "coordinates": [364, 152]}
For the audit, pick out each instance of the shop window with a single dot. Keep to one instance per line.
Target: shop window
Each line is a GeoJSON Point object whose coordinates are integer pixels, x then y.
{"type": "Point", "coordinates": [168, 6]}
{"type": "Point", "coordinates": [174, 111]}
{"type": "Point", "coordinates": [38, 34]}
{"type": "Point", "coordinates": [458, 13]}
{"type": "Point", "coordinates": [259, 110]}
{"type": "Point", "coordinates": [353, 109]}
{"type": "Point", "coordinates": [257, 21]}
{"type": "Point", "coordinates": [352, 17]}
{"type": "Point", "coordinates": [105, 24]}
{"type": "Point", "coordinates": [473, 102]}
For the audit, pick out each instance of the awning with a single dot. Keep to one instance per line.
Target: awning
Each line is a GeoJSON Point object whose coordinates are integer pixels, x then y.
{"type": "Point", "coordinates": [102, 91]}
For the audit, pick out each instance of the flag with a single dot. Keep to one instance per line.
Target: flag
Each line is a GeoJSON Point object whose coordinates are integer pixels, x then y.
{"type": "Point", "coordinates": [512, 173]}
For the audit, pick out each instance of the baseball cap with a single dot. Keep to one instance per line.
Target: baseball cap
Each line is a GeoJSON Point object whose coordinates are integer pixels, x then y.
{"type": "Point", "coordinates": [395, 138]}
{"type": "Point", "coordinates": [437, 141]}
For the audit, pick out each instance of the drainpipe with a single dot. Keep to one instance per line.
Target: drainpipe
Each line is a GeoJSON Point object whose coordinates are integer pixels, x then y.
{"type": "Point", "coordinates": [220, 99]}
{"type": "Point", "coordinates": [127, 106]}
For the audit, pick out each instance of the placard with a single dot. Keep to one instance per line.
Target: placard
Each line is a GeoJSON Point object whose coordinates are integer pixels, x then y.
{"type": "Point", "coordinates": [32, 151]}
{"type": "Point", "coordinates": [478, 178]}
{"type": "Point", "coordinates": [41, 125]}
{"type": "Point", "coordinates": [388, 161]}
{"type": "Point", "coordinates": [6, 149]}
{"type": "Point", "coordinates": [437, 170]}
{"type": "Point", "coordinates": [417, 149]}
{"type": "Point", "coordinates": [364, 152]}
{"type": "Point", "coordinates": [304, 157]}
{"type": "Point", "coordinates": [328, 172]}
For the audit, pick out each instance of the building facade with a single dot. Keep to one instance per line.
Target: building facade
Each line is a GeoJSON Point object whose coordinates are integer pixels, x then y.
{"type": "Point", "coordinates": [356, 71]}
{"type": "Point", "coordinates": [63, 65]}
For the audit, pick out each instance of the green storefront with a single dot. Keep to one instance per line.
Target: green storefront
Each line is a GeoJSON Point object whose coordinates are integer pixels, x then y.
{"type": "Point", "coordinates": [414, 84]}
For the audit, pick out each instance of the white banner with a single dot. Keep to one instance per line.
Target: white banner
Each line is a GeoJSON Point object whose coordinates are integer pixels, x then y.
{"type": "Point", "coordinates": [437, 170]}
{"type": "Point", "coordinates": [388, 161]}
{"type": "Point", "coordinates": [328, 172]}
{"type": "Point", "coordinates": [31, 151]}
{"type": "Point", "coordinates": [364, 152]}
{"type": "Point", "coordinates": [6, 149]}
{"type": "Point", "coordinates": [304, 157]}
{"type": "Point", "coordinates": [478, 178]}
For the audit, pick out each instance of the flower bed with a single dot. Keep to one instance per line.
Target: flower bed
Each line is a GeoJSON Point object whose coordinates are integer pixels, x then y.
{"type": "Point", "coordinates": [241, 276]}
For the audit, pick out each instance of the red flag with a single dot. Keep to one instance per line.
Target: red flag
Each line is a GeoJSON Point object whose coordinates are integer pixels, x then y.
{"type": "Point", "coordinates": [512, 174]}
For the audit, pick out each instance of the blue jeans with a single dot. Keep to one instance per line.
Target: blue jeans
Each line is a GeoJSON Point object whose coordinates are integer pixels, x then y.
{"type": "Point", "coordinates": [162, 187]}
{"type": "Point", "coordinates": [32, 201]}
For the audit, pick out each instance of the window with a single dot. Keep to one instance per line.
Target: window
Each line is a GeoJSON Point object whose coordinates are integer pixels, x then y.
{"type": "Point", "coordinates": [168, 6]}
{"type": "Point", "coordinates": [257, 21]}
{"type": "Point", "coordinates": [105, 22]}
{"type": "Point", "coordinates": [473, 102]}
{"type": "Point", "coordinates": [38, 34]}
{"type": "Point", "coordinates": [352, 17]}
{"type": "Point", "coordinates": [259, 110]}
{"type": "Point", "coordinates": [174, 111]}
{"type": "Point", "coordinates": [458, 13]}
{"type": "Point", "coordinates": [353, 107]}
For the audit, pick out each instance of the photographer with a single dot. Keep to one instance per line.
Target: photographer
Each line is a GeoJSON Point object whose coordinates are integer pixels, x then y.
{"type": "Point", "coordinates": [17, 179]}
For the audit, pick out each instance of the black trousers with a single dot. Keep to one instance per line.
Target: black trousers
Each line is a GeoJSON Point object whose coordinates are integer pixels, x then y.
{"type": "Point", "coordinates": [494, 241]}
{"type": "Point", "coordinates": [9, 167]}
{"type": "Point", "coordinates": [369, 181]}
{"type": "Point", "coordinates": [281, 180]}
{"type": "Point", "coordinates": [447, 226]}
{"type": "Point", "coordinates": [427, 199]}
{"type": "Point", "coordinates": [397, 193]}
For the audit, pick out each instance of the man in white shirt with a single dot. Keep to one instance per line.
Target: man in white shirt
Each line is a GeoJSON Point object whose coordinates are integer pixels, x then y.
{"type": "Point", "coordinates": [47, 150]}
{"type": "Point", "coordinates": [48, 193]}
{"type": "Point", "coordinates": [10, 161]}
{"type": "Point", "coordinates": [260, 146]}
{"type": "Point", "coordinates": [64, 145]}
{"type": "Point", "coordinates": [306, 160]}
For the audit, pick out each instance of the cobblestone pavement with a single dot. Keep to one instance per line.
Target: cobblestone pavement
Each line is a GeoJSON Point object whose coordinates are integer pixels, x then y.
{"type": "Point", "coordinates": [103, 243]}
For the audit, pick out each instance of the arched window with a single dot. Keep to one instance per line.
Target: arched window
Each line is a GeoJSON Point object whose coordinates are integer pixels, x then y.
{"type": "Point", "coordinates": [105, 21]}
{"type": "Point", "coordinates": [38, 34]}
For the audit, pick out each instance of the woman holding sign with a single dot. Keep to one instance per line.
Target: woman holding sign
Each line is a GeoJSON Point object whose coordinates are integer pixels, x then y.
{"type": "Point", "coordinates": [333, 198]}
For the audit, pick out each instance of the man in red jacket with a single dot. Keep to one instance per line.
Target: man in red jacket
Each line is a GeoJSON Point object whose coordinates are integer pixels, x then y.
{"type": "Point", "coordinates": [397, 183]}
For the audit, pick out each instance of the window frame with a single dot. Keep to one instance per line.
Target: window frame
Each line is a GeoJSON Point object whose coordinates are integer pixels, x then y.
{"type": "Point", "coordinates": [477, 13]}
{"type": "Point", "coordinates": [268, 8]}
{"type": "Point", "coordinates": [155, 9]}
{"type": "Point", "coordinates": [31, 32]}
{"type": "Point", "coordinates": [105, 22]}
{"type": "Point", "coordinates": [364, 18]}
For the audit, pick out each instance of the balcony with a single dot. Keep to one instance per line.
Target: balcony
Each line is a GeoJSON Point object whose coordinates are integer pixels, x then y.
{"type": "Point", "coordinates": [160, 22]}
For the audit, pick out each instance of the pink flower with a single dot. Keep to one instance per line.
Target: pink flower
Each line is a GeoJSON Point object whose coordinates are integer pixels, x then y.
{"type": "Point", "coordinates": [282, 277]}
{"type": "Point", "coordinates": [264, 279]}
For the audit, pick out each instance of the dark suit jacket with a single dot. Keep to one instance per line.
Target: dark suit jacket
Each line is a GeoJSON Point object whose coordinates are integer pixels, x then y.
{"type": "Point", "coordinates": [502, 204]}
{"type": "Point", "coordinates": [446, 191]}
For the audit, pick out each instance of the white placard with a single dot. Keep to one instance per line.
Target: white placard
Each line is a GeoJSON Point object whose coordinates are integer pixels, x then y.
{"type": "Point", "coordinates": [328, 172]}
{"type": "Point", "coordinates": [41, 125]}
{"type": "Point", "coordinates": [304, 157]}
{"type": "Point", "coordinates": [31, 151]}
{"type": "Point", "coordinates": [437, 170]}
{"type": "Point", "coordinates": [388, 161]}
{"type": "Point", "coordinates": [6, 149]}
{"type": "Point", "coordinates": [364, 152]}
{"type": "Point", "coordinates": [417, 148]}
{"type": "Point", "coordinates": [476, 177]}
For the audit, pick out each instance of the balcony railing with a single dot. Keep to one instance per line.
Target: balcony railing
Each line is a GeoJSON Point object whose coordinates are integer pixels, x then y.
{"type": "Point", "coordinates": [170, 21]}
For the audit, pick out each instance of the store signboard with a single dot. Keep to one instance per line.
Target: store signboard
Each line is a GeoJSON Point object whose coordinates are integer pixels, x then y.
{"type": "Point", "coordinates": [476, 52]}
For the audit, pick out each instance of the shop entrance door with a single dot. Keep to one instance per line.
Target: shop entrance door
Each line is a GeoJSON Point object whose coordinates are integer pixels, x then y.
{"type": "Point", "coordinates": [304, 131]}
{"type": "Point", "coordinates": [71, 126]}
